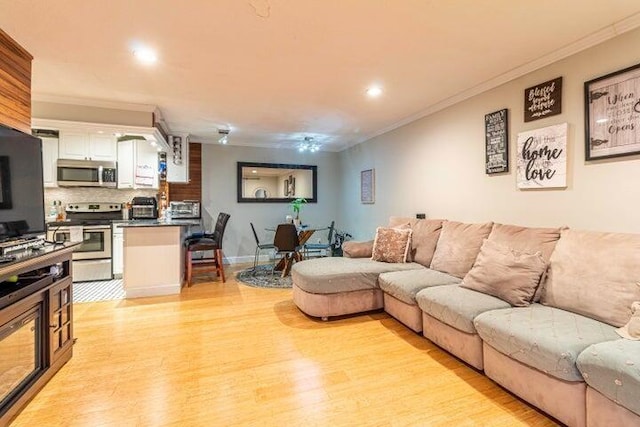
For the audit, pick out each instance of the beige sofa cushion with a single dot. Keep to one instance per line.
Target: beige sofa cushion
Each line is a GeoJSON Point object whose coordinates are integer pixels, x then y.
{"type": "Point", "coordinates": [424, 239]}
{"type": "Point", "coordinates": [353, 249]}
{"type": "Point", "coordinates": [506, 273]}
{"type": "Point", "coordinates": [526, 239]}
{"type": "Point", "coordinates": [458, 247]}
{"type": "Point", "coordinates": [595, 274]}
{"type": "Point", "coordinates": [391, 244]}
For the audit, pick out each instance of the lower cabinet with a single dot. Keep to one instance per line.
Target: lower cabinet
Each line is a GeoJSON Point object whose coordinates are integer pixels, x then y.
{"type": "Point", "coordinates": [117, 245]}
{"type": "Point", "coordinates": [60, 318]}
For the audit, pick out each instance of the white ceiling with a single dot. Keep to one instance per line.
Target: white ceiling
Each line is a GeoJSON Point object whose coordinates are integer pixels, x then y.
{"type": "Point", "coordinates": [276, 71]}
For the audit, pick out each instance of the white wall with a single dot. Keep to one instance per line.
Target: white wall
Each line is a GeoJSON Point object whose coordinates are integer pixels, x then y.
{"type": "Point", "coordinates": [219, 193]}
{"type": "Point", "coordinates": [435, 165]}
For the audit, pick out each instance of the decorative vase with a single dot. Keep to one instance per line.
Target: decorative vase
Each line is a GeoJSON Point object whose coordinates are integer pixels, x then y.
{"type": "Point", "coordinates": [288, 219]}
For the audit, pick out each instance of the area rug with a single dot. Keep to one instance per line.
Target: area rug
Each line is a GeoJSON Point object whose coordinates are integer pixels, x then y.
{"type": "Point", "coordinates": [104, 290]}
{"type": "Point", "coordinates": [262, 277]}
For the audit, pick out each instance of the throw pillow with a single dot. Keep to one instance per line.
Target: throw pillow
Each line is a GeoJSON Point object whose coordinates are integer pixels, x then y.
{"type": "Point", "coordinates": [458, 247]}
{"type": "Point", "coordinates": [391, 244]}
{"type": "Point", "coordinates": [506, 273]}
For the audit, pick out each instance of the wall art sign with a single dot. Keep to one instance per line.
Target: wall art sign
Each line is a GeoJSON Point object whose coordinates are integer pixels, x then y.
{"type": "Point", "coordinates": [367, 186]}
{"type": "Point", "coordinates": [543, 100]}
{"type": "Point", "coordinates": [542, 157]}
{"type": "Point", "coordinates": [612, 114]}
{"type": "Point", "coordinates": [496, 136]}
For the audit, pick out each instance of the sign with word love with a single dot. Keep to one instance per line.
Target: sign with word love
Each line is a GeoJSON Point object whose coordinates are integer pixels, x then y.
{"type": "Point", "coordinates": [543, 100]}
{"type": "Point", "coordinates": [542, 157]}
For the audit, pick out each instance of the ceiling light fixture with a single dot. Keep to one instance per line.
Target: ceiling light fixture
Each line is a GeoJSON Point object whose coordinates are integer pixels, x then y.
{"type": "Point", "coordinates": [145, 55]}
{"type": "Point", "coordinates": [308, 145]}
{"type": "Point", "coordinates": [374, 91]}
{"type": "Point", "coordinates": [224, 138]}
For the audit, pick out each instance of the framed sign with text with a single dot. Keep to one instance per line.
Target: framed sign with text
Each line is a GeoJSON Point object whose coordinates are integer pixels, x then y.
{"type": "Point", "coordinates": [496, 137]}
{"type": "Point", "coordinates": [543, 100]}
{"type": "Point", "coordinates": [367, 186]}
{"type": "Point", "coordinates": [612, 114]}
{"type": "Point", "coordinates": [542, 158]}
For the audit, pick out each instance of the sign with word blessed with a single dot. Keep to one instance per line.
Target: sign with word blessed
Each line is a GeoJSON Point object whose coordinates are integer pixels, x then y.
{"type": "Point", "coordinates": [543, 100]}
{"type": "Point", "coordinates": [542, 157]}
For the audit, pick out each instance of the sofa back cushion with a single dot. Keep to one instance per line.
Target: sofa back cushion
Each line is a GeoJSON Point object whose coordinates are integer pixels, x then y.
{"type": "Point", "coordinates": [526, 239]}
{"type": "Point", "coordinates": [506, 273]}
{"type": "Point", "coordinates": [595, 274]}
{"type": "Point", "coordinates": [458, 247]}
{"type": "Point", "coordinates": [424, 238]}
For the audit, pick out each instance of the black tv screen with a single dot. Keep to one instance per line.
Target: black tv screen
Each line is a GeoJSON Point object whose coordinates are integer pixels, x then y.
{"type": "Point", "coordinates": [21, 187]}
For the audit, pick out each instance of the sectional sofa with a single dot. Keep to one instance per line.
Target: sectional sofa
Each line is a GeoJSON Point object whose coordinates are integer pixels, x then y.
{"type": "Point", "coordinates": [536, 309]}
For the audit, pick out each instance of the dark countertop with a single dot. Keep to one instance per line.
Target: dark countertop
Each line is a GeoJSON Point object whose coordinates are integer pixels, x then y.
{"type": "Point", "coordinates": [157, 223]}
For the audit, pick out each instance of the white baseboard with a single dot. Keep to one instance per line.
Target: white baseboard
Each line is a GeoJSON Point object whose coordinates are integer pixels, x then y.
{"type": "Point", "coordinates": [153, 291]}
{"type": "Point", "coordinates": [244, 259]}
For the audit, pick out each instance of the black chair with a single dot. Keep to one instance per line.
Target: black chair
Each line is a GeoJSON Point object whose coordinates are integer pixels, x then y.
{"type": "Point", "coordinates": [259, 246]}
{"type": "Point", "coordinates": [318, 247]}
{"type": "Point", "coordinates": [286, 244]}
{"type": "Point", "coordinates": [208, 242]}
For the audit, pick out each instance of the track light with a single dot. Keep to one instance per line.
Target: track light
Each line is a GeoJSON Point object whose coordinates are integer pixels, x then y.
{"type": "Point", "coordinates": [224, 138]}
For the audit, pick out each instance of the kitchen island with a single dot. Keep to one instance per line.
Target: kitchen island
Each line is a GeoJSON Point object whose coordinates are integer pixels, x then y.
{"type": "Point", "coordinates": [154, 256]}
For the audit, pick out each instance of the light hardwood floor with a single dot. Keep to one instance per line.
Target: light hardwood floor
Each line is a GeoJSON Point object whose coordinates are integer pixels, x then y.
{"type": "Point", "coordinates": [232, 355]}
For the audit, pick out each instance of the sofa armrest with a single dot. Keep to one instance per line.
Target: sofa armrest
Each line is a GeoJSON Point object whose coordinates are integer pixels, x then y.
{"type": "Point", "coordinates": [353, 249]}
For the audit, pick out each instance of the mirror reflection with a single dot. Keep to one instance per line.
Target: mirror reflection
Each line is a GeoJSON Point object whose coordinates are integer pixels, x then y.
{"type": "Point", "coordinates": [266, 182]}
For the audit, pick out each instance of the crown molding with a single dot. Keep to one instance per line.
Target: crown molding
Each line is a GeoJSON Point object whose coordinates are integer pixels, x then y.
{"type": "Point", "coordinates": [617, 28]}
{"type": "Point", "coordinates": [87, 102]}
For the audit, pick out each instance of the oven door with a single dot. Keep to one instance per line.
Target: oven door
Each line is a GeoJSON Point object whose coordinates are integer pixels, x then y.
{"type": "Point", "coordinates": [96, 241]}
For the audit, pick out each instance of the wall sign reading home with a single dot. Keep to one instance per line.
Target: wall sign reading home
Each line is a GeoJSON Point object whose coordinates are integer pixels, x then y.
{"type": "Point", "coordinates": [542, 157]}
{"type": "Point", "coordinates": [496, 131]}
{"type": "Point", "coordinates": [613, 114]}
{"type": "Point", "coordinates": [543, 100]}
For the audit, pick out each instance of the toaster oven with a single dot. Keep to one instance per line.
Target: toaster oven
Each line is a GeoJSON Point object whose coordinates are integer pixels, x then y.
{"type": "Point", "coordinates": [186, 209]}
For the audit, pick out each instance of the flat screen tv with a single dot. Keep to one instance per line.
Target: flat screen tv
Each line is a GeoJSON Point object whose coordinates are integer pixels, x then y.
{"type": "Point", "coordinates": [21, 187]}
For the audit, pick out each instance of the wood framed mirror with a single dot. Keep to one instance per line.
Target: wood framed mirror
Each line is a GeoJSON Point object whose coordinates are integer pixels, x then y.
{"type": "Point", "coordinates": [276, 182]}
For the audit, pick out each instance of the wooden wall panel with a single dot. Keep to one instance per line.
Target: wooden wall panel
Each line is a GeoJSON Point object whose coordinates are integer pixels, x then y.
{"type": "Point", "coordinates": [192, 190]}
{"type": "Point", "coordinates": [15, 84]}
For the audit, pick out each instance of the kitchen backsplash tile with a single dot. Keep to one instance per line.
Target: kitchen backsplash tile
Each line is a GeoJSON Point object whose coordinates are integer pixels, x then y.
{"type": "Point", "coordinates": [88, 194]}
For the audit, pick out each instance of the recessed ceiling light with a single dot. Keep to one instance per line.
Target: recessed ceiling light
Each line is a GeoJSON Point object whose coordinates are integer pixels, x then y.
{"type": "Point", "coordinates": [254, 171]}
{"type": "Point", "coordinates": [145, 55]}
{"type": "Point", "coordinates": [153, 143]}
{"type": "Point", "coordinates": [374, 91]}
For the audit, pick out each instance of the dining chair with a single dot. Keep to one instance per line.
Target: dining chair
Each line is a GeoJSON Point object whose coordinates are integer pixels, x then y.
{"type": "Point", "coordinates": [259, 246]}
{"type": "Point", "coordinates": [287, 244]}
{"type": "Point", "coordinates": [319, 247]}
{"type": "Point", "coordinates": [207, 242]}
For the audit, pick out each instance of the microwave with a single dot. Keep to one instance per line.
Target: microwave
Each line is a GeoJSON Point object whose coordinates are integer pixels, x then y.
{"type": "Point", "coordinates": [86, 173]}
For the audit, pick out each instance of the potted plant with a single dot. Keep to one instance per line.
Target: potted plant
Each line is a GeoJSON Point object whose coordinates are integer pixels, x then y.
{"type": "Point", "coordinates": [296, 205]}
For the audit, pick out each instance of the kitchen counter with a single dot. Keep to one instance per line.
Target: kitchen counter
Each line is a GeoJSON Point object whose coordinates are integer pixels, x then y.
{"type": "Point", "coordinates": [154, 256]}
{"type": "Point", "coordinates": [158, 223]}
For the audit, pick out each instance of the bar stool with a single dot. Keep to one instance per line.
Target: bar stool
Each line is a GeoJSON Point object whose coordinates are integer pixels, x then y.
{"type": "Point", "coordinates": [208, 242]}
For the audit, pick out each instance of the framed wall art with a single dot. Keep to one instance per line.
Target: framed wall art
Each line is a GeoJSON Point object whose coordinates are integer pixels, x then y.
{"type": "Point", "coordinates": [496, 136]}
{"type": "Point", "coordinates": [543, 100]}
{"type": "Point", "coordinates": [612, 114]}
{"type": "Point", "coordinates": [367, 186]}
{"type": "Point", "coordinates": [542, 158]}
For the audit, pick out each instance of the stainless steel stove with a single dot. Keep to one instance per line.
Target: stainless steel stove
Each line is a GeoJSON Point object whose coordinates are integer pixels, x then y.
{"type": "Point", "coordinates": [91, 224]}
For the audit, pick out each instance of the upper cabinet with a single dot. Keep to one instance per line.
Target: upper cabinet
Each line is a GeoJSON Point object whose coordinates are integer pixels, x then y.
{"type": "Point", "coordinates": [15, 84]}
{"type": "Point", "coordinates": [87, 146]}
{"type": "Point", "coordinates": [137, 165]}
{"type": "Point", "coordinates": [49, 160]}
{"type": "Point", "coordinates": [178, 159]}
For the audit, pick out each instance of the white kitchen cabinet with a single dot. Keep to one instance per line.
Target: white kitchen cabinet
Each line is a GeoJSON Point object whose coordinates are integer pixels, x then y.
{"type": "Point", "coordinates": [87, 146]}
{"type": "Point", "coordinates": [178, 159]}
{"type": "Point", "coordinates": [126, 159]}
{"type": "Point", "coordinates": [137, 165]}
{"type": "Point", "coordinates": [49, 160]}
{"type": "Point", "coordinates": [117, 244]}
